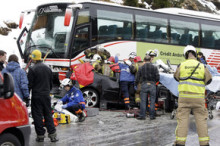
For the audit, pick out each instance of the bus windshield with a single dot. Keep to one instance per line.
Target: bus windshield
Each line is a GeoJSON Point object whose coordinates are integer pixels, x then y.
{"type": "Point", "coordinates": [48, 33]}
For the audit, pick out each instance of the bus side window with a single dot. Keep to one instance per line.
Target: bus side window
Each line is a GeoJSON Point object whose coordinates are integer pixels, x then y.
{"type": "Point", "coordinates": [184, 35]}
{"type": "Point", "coordinates": [151, 28]}
{"type": "Point", "coordinates": [117, 24]}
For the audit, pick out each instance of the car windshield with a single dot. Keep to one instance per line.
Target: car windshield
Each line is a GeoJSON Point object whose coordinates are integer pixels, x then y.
{"type": "Point", "coordinates": [48, 32]}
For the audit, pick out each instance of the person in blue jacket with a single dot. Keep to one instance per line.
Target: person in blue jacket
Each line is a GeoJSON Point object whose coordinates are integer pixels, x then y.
{"type": "Point", "coordinates": [19, 77]}
{"type": "Point", "coordinates": [73, 100]}
{"type": "Point", "coordinates": [126, 80]}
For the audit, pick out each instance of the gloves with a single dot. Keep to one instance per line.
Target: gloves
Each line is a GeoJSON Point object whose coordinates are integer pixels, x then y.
{"type": "Point", "coordinates": [58, 105]}
{"type": "Point", "coordinates": [137, 100]}
{"type": "Point", "coordinates": [27, 101]}
{"type": "Point", "coordinates": [59, 102]}
{"type": "Point", "coordinates": [64, 106]}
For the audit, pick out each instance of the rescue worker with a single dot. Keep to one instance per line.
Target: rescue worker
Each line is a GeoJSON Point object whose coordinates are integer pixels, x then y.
{"type": "Point", "coordinates": [192, 77]}
{"type": "Point", "coordinates": [73, 100]}
{"type": "Point", "coordinates": [138, 63]}
{"type": "Point", "coordinates": [104, 54]}
{"type": "Point", "coordinates": [147, 75]}
{"type": "Point", "coordinates": [153, 54]}
{"type": "Point", "coordinates": [126, 82]}
{"type": "Point", "coordinates": [40, 84]}
{"type": "Point", "coordinates": [106, 70]}
{"type": "Point", "coordinates": [132, 55]}
{"type": "Point", "coordinates": [97, 63]}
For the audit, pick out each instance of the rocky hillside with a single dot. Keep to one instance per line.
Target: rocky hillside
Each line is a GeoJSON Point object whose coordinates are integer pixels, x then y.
{"type": "Point", "coordinates": [7, 26]}
{"type": "Point", "coordinates": [211, 6]}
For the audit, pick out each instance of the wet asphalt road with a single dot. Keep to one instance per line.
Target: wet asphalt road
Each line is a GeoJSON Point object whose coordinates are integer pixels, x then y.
{"type": "Point", "coordinates": [111, 128]}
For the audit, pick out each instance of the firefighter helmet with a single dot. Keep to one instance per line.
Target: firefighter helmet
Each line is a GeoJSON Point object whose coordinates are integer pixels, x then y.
{"type": "Point", "coordinates": [189, 48]}
{"type": "Point", "coordinates": [66, 82]}
{"type": "Point", "coordinates": [137, 59]}
{"type": "Point", "coordinates": [132, 55]}
{"type": "Point", "coordinates": [152, 53]}
{"type": "Point", "coordinates": [36, 55]}
{"type": "Point", "coordinates": [96, 57]}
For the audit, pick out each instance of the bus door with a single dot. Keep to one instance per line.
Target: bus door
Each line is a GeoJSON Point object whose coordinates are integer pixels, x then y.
{"type": "Point", "coordinates": [81, 37]}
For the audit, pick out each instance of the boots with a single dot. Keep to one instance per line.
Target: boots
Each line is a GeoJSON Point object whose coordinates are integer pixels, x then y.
{"type": "Point", "coordinates": [53, 137]}
{"type": "Point", "coordinates": [81, 117]}
{"type": "Point", "coordinates": [40, 138]}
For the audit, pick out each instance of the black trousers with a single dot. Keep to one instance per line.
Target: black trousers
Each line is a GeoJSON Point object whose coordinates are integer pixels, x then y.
{"type": "Point", "coordinates": [74, 108]}
{"type": "Point", "coordinates": [41, 109]}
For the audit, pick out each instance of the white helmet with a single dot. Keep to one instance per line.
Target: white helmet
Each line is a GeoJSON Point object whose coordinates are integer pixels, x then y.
{"type": "Point", "coordinates": [132, 55]}
{"type": "Point", "coordinates": [66, 82]}
{"type": "Point", "coordinates": [96, 57]}
{"type": "Point", "coordinates": [152, 52]}
{"type": "Point", "coordinates": [189, 48]}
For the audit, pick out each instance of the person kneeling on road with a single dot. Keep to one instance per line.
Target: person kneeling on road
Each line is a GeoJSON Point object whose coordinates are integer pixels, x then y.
{"type": "Point", "coordinates": [73, 100]}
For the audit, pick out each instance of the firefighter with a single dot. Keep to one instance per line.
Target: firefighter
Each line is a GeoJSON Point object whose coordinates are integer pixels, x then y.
{"type": "Point", "coordinates": [97, 63]}
{"type": "Point", "coordinates": [73, 100]}
{"type": "Point", "coordinates": [40, 84]}
{"type": "Point", "coordinates": [132, 55]}
{"type": "Point", "coordinates": [192, 77]}
{"type": "Point", "coordinates": [152, 53]}
{"type": "Point", "coordinates": [106, 70]}
{"type": "Point", "coordinates": [100, 50]}
{"type": "Point", "coordinates": [138, 63]}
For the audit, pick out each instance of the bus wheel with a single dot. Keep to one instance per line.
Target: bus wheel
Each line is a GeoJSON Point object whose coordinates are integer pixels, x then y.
{"type": "Point", "coordinates": [91, 97]}
{"type": "Point", "coordinates": [8, 139]}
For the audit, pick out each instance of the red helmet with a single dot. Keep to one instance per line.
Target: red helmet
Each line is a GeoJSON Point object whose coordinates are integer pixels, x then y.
{"type": "Point", "coordinates": [112, 59]}
{"type": "Point", "coordinates": [137, 59]}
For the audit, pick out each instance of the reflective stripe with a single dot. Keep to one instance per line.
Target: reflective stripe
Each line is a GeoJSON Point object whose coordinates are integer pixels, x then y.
{"type": "Point", "coordinates": [79, 111]}
{"type": "Point", "coordinates": [194, 84]}
{"type": "Point", "coordinates": [126, 99]}
{"type": "Point", "coordinates": [203, 138]}
{"type": "Point", "coordinates": [192, 95]}
{"type": "Point", "coordinates": [82, 103]}
{"type": "Point", "coordinates": [180, 138]}
{"type": "Point", "coordinates": [193, 78]}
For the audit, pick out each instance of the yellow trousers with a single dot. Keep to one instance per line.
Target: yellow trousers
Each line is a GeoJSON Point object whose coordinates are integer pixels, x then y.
{"type": "Point", "coordinates": [197, 106]}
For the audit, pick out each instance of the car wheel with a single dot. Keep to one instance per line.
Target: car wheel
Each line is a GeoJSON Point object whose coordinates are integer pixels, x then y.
{"type": "Point", "coordinates": [91, 97]}
{"type": "Point", "coordinates": [8, 139]}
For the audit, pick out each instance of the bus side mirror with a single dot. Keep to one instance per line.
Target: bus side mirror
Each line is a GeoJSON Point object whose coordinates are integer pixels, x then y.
{"type": "Point", "coordinates": [8, 86]}
{"type": "Point", "coordinates": [67, 18]}
{"type": "Point", "coordinates": [21, 19]}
